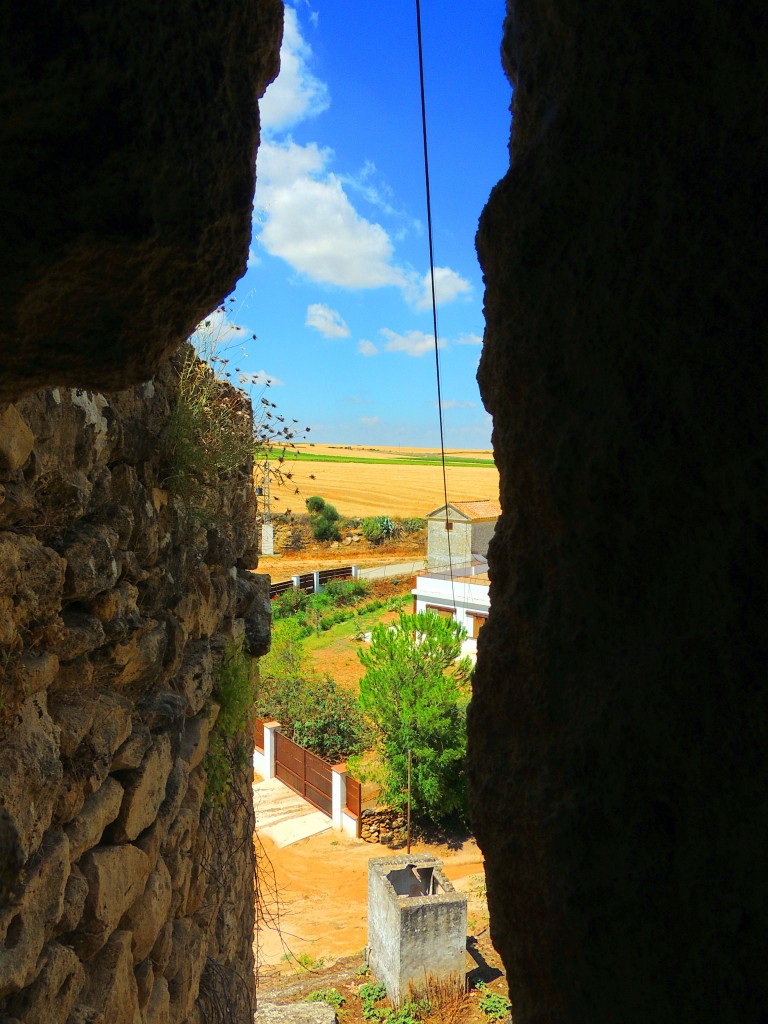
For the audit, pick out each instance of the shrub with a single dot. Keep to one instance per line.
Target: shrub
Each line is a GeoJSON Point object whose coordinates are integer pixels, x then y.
{"type": "Point", "coordinates": [412, 525]}
{"type": "Point", "coordinates": [372, 530]}
{"type": "Point", "coordinates": [289, 603]}
{"type": "Point", "coordinates": [346, 592]}
{"type": "Point", "coordinates": [315, 504]}
{"type": "Point", "coordinates": [325, 528]}
{"type": "Point", "coordinates": [313, 710]}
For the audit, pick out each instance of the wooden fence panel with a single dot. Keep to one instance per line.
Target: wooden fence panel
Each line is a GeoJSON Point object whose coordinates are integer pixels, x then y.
{"type": "Point", "coordinates": [305, 773]}
{"type": "Point", "coordinates": [258, 733]}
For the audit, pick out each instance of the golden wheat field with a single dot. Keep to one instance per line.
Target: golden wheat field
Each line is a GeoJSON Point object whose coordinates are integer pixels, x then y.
{"type": "Point", "coordinates": [399, 490]}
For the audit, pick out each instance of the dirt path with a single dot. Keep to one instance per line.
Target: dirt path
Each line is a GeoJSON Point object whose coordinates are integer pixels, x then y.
{"type": "Point", "coordinates": [321, 885]}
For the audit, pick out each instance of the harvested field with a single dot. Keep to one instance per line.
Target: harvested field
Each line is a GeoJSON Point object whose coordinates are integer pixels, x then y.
{"type": "Point", "coordinates": [400, 490]}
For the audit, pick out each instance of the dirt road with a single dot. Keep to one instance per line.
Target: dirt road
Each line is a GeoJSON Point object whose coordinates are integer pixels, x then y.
{"type": "Point", "coordinates": [318, 894]}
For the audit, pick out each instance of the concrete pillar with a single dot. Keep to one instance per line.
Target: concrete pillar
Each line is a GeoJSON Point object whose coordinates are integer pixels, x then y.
{"type": "Point", "coordinates": [295, 581]}
{"type": "Point", "coordinates": [267, 539]}
{"type": "Point", "coordinates": [270, 728]}
{"type": "Point", "coordinates": [338, 795]}
{"type": "Point", "coordinates": [354, 572]}
{"type": "Point", "coordinates": [316, 582]}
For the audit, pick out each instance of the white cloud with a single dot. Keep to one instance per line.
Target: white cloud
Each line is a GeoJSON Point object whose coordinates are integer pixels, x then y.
{"type": "Point", "coordinates": [295, 94]}
{"type": "Point", "coordinates": [469, 339]}
{"type": "Point", "coordinates": [308, 220]}
{"type": "Point", "coordinates": [413, 343]}
{"type": "Point", "coordinates": [449, 286]}
{"type": "Point", "coordinates": [367, 348]}
{"type": "Point", "coordinates": [454, 403]}
{"type": "Point", "coordinates": [369, 421]}
{"type": "Point", "coordinates": [327, 321]}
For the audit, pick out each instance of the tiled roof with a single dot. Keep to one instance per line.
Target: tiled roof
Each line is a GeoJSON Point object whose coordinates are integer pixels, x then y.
{"type": "Point", "coordinates": [486, 509]}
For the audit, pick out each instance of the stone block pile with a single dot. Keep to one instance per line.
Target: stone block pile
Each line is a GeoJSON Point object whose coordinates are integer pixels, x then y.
{"type": "Point", "coordinates": [123, 898]}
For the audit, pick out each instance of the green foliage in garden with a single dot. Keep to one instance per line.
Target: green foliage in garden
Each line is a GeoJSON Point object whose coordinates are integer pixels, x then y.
{"type": "Point", "coordinates": [312, 709]}
{"type": "Point", "coordinates": [415, 693]}
{"type": "Point", "coordinates": [332, 996]}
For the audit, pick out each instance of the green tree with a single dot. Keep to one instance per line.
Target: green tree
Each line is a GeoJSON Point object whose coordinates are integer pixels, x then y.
{"type": "Point", "coordinates": [415, 694]}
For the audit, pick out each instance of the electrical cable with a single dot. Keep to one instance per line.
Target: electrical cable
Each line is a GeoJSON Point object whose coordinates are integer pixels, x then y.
{"type": "Point", "coordinates": [432, 284]}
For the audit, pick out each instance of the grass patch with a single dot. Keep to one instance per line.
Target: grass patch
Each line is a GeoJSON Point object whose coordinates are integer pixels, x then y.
{"type": "Point", "coordinates": [465, 462]}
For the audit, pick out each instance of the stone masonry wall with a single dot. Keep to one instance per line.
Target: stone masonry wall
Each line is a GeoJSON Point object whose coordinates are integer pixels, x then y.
{"type": "Point", "coordinates": [122, 899]}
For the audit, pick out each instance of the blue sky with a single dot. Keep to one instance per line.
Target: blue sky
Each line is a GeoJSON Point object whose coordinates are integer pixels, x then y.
{"type": "Point", "coordinates": [337, 284]}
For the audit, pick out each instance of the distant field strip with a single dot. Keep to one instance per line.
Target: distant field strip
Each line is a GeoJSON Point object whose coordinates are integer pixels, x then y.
{"type": "Point", "coordinates": [405, 460]}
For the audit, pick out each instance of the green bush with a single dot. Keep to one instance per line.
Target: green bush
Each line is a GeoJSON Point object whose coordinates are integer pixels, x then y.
{"type": "Point", "coordinates": [412, 525]}
{"type": "Point", "coordinates": [372, 530]}
{"type": "Point", "coordinates": [289, 603]}
{"type": "Point", "coordinates": [315, 504]}
{"type": "Point", "coordinates": [325, 527]}
{"type": "Point", "coordinates": [313, 710]}
{"type": "Point", "coordinates": [346, 592]}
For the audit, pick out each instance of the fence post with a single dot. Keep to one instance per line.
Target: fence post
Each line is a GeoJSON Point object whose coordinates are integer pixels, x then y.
{"type": "Point", "coordinates": [296, 582]}
{"type": "Point", "coordinates": [338, 795]}
{"type": "Point", "coordinates": [270, 728]}
{"type": "Point", "coordinates": [354, 572]}
{"type": "Point", "coordinates": [316, 582]}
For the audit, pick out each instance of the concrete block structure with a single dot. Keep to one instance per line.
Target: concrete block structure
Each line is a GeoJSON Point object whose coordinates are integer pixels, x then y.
{"type": "Point", "coordinates": [417, 925]}
{"type": "Point", "coordinates": [459, 531]}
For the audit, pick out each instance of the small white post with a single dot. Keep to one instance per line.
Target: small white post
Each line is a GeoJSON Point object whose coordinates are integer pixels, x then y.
{"type": "Point", "coordinates": [296, 582]}
{"type": "Point", "coordinates": [338, 795]}
{"type": "Point", "coordinates": [270, 728]}
{"type": "Point", "coordinates": [354, 572]}
{"type": "Point", "coordinates": [316, 582]}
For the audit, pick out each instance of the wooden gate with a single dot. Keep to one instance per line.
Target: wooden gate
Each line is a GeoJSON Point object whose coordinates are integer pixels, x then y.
{"type": "Point", "coordinates": [305, 772]}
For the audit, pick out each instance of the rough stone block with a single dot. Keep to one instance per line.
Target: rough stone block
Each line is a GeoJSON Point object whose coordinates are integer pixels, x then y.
{"type": "Point", "coordinates": [35, 671]}
{"type": "Point", "coordinates": [149, 913]}
{"type": "Point", "coordinates": [159, 1005]}
{"type": "Point", "coordinates": [253, 605]}
{"type": "Point", "coordinates": [85, 1015]}
{"type": "Point", "coordinates": [145, 982]}
{"type": "Point", "coordinates": [131, 753]}
{"type": "Point", "coordinates": [185, 968]}
{"type": "Point", "coordinates": [144, 791]}
{"type": "Point", "coordinates": [31, 584]}
{"type": "Point", "coordinates": [51, 996]}
{"type": "Point", "coordinates": [93, 561]}
{"type": "Point", "coordinates": [295, 1013]}
{"type": "Point", "coordinates": [116, 877]}
{"type": "Point", "coordinates": [195, 743]}
{"type": "Point", "coordinates": [31, 772]}
{"type": "Point", "coordinates": [99, 810]}
{"type": "Point", "coordinates": [27, 921]}
{"type": "Point", "coordinates": [75, 634]}
{"type": "Point", "coordinates": [75, 895]}
{"type": "Point", "coordinates": [163, 947]}
{"type": "Point", "coordinates": [16, 439]}
{"type": "Point", "coordinates": [74, 717]}
{"type": "Point", "coordinates": [195, 678]}
{"type": "Point", "coordinates": [111, 987]}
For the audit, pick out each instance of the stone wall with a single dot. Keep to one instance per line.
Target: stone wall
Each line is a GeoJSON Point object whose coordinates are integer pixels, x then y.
{"type": "Point", "coordinates": [123, 898]}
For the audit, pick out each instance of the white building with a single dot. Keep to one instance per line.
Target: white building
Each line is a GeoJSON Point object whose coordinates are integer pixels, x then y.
{"type": "Point", "coordinates": [462, 595]}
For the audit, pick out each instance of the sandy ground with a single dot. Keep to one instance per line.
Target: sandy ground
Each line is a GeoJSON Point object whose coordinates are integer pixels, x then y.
{"type": "Point", "coordinates": [317, 892]}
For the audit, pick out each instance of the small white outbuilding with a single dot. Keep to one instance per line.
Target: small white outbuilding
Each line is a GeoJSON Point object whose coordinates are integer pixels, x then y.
{"type": "Point", "coordinates": [460, 530]}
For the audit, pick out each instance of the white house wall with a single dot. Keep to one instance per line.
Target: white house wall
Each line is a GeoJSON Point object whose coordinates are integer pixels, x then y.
{"type": "Point", "coordinates": [464, 597]}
